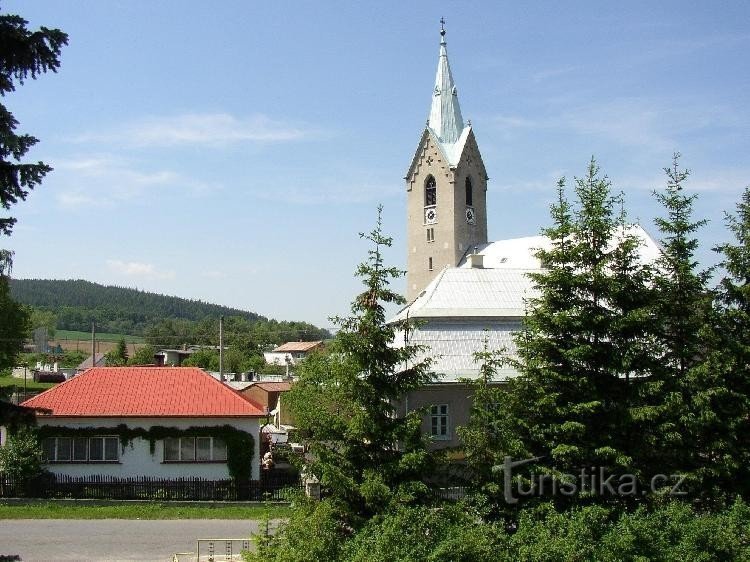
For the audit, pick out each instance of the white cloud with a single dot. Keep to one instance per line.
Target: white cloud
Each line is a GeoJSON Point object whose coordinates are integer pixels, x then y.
{"type": "Point", "coordinates": [204, 129]}
{"type": "Point", "coordinates": [138, 269]}
{"type": "Point", "coordinates": [104, 180]}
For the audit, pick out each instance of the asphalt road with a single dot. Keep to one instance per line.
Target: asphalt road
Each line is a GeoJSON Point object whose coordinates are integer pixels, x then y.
{"type": "Point", "coordinates": [52, 540]}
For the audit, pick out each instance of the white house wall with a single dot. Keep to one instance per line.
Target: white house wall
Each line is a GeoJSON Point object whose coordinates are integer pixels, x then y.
{"type": "Point", "coordinates": [136, 458]}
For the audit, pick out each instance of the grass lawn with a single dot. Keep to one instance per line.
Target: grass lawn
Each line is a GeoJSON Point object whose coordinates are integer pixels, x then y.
{"type": "Point", "coordinates": [100, 336]}
{"type": "Point", "coordinates": [30, 384]}
{"type": "Point", "coordinates": [138, 510]}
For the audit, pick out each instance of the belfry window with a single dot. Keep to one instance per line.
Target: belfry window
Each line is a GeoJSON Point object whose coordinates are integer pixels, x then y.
{"type": "Point", "coordinates": [469, 192]}
{"type": "Point", "coordinates": [430, 192]}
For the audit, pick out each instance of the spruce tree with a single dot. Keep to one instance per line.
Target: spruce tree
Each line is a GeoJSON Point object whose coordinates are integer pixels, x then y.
{"type": "Point", "coordinates": [368, 457]}
{"type": "Point", "coordinates": [583, 340]}
{"type": "Point", "coordinates": [680, 309]}
{"type": "Point", "coordinates": [23, 54]}
{"type": "Point", "coordinates": [719, 387]}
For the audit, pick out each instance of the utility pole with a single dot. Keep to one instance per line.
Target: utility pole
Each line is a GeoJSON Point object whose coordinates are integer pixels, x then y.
{"type": "Point", "coordinates": [93, 343]}
{"type": "Point", "coordinates": [221, 348]}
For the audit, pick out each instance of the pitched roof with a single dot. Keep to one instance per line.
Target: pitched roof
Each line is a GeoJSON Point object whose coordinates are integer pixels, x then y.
{"type": "Point", "coordinates": [297, 346]}
{"type": "Point", "coordinates": [273, 386]}
{"type": "Point", "coordinates": [465, 306]}
{"type": "Point", "coordinates": [499, 289]}
{"type": "Point", "coordinates": [86, 364]}
{"type": "Point", "coordinates": [144, 392]}
{"type": "Point", "coordinates": [451, 345]}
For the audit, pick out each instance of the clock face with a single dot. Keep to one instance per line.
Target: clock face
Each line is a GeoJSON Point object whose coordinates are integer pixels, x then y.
{"type": "Point", "coordinates": [430, 216]}
{"type": "Point", "coordinates": [471, 216]}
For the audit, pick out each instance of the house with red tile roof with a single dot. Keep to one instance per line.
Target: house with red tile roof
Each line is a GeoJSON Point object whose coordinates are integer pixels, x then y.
{"type": "Point", "coordinates": [291, 352]}
{"type": "Point", "coordinates": [167, 422]}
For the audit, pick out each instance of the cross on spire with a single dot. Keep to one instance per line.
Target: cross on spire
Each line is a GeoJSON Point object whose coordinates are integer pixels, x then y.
{"type": "Point", "coordinates": [445, 114]}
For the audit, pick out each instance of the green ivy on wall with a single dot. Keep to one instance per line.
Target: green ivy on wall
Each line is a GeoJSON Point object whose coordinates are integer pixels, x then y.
{"type": "Point", "coordinates": [240, 444]}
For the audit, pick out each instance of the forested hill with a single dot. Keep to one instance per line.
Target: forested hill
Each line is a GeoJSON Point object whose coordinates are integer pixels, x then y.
{"type": "Point", "coordinates": [121, 310]}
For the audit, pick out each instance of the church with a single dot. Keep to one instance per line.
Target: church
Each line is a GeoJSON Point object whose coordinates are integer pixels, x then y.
{"type": "Point", "coordinates": [464, 292]}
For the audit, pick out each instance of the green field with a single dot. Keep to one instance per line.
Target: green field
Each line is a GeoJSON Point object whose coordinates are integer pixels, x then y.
{"type": "Point", "coordinates": [103, 336]}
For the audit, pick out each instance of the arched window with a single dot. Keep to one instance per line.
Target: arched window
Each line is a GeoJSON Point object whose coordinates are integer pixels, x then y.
{"type": "Point", "coordinates": [469, 193]}
{"type": "Point", "coordinates": [430, 192]}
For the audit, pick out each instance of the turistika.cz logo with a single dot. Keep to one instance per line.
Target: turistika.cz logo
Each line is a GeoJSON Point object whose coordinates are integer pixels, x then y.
{"type": "Point", "coordinates": [590, 481]}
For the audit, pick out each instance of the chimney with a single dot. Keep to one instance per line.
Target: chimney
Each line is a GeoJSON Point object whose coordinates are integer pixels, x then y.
{"type": "Point", "coordinates": [476, 261]}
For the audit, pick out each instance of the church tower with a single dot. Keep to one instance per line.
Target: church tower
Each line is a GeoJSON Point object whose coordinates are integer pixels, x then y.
{"type": "Point", "coordinates": [446, 187]}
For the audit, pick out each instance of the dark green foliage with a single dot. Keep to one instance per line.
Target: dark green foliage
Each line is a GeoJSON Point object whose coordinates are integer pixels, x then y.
{"type": "Point", "coordinates": [21, 456]}
{"type": "Point", "coordinates": [165, 321]}
{"type": "Point", "coordinates": [23, 54]}
{"type": "Point", "coordinates": [207, 359]}
{"type": "Point", "coordinates": [312, 533]}
{"type": "Point", "coordinates": [719, 387]}
{"type": "Point", "coordinates": [671, 533]}
{"type": "Point", "coordinates": [118, 357]}
{"type": "Point", "coordinates": [239, 443]}
{"type": "Point", "coordinates": [143, 356]}
{"type": "Point", "coordinates": [485, 438]}
{"type": "Point", "coordinates": [368, 458]}
{"type": "Point", "coordinates": [665, 420]}
{"type": "Point", "coordinates": [582, 341]}
{"type": "Point", "coordinates": [447, 534]}
{"type": "Point", "coordinates": [14, 323]}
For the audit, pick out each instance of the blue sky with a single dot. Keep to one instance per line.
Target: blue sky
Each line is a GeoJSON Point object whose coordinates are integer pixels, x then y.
{"type": "Point", "coordinates": [233, 151]}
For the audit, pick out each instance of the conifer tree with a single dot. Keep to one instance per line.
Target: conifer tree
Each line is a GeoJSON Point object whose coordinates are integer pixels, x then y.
{"type": "Point", "coordinates": [719, 387]}
{"type": "Point", "coordinates": [680, 309]}
{"type": "Point", "coordinates": [583, 340]}
{"type": "Point", "coordinates": [24, 54]}
{"type": "Point", "coordinates": [366, 455]}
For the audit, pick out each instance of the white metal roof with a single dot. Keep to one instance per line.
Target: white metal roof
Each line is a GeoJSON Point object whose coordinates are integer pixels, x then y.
{"type": "Point", "coordinates": [452, 346]}
{"type": "Point", "coordinates": [465, 305]}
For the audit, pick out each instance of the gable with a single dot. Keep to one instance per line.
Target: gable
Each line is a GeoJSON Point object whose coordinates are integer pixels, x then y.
{"type": "Point", "coordinates": [428, 146]}
{"type": "Point", "coordinates": [470, 156]}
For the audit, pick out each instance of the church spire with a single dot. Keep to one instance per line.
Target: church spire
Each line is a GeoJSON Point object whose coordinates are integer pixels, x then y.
{"type": "Point", "coordinates": [445, 115]}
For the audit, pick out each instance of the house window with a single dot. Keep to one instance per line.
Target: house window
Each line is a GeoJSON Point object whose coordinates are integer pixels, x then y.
{"type": "Point", "coordinates": [81, 449]}
{"type": "Point", "coordinates": [430, 234]}
{"type": "Point", "coordinates": [429, 264]}
{"type": "Point", "coordinates": [439, 428]}
{"type": "Point", "coordinates": [430, 192]}
{"type": "Point", "coordinates": [469, 192]}
{"type": "Point", "coordinates": [194, 449]}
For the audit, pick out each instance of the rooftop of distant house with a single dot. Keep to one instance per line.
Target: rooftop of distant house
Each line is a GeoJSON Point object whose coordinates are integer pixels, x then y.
{"type": "Point", "coordinates": [87, 363]}
{"type": "Point", "coordinates": [144, 392]}
{"type": "Point", "coordinates": [293, 346]}
{"type": "Point", "coordinates": [273, 386]}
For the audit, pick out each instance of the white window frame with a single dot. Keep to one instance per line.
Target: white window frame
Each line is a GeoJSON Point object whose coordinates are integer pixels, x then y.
{"type": "Point", "coordinates": [87, 457]}
{"type": "Point", "coordinates": [440, 420]}
{"type": "Point", "coordinates": [181, 446]}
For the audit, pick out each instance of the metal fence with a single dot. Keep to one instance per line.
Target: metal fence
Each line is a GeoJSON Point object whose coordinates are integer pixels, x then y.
{"type": "Point", "coordinates": [272, 488]}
